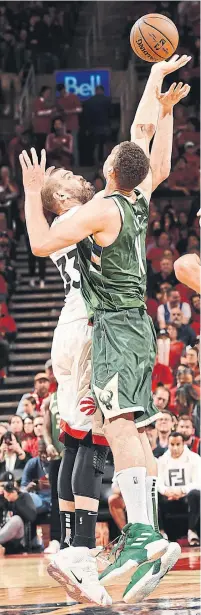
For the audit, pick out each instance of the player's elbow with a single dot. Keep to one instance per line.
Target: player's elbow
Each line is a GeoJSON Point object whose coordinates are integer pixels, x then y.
{"type": "Point", "coordinates": [38, 251]}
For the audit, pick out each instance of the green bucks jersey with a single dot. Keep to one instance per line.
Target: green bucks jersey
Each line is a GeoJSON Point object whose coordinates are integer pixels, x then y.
{"type": "Point", "coordinates": [114, 278]}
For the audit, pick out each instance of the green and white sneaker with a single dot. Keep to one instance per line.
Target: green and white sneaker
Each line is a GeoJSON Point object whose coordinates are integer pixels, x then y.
{"type": "Point", "coordinates": [148, 576]}
{"type": "Point", "coordinates": [137, 545]}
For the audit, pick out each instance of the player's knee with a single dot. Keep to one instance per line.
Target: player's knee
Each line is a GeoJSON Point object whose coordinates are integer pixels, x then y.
{"type": "Point", "coordinates": [88, 471]}
{"type": "Point", "coordinates": [65, 474]}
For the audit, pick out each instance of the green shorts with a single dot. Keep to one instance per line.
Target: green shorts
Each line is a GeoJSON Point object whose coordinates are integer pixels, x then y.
{"type": "Point", "coordinates": [123, 355]}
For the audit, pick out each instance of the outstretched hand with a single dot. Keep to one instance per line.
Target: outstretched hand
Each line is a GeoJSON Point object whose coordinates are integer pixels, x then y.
{"type": "Point", "coordinates": [175, 63]}
{"type": "Point", "coordinates": [33, 172]}
{"type": "Point", "coordinates": [175, 93]}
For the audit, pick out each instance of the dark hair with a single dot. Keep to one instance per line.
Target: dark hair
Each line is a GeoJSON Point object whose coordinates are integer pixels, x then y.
{"type": "Point", "coordinates": [172, 222]}
{"type": "Point", "coordinates": [8, 436]}
{"type": "Point", "coordinates": [10, 487]}
{"type": "Point", "coordinates": [58, 117]}
{"type": "Point", "coordinates": [30, 418]}
{"type": "Point", "coordinates": [172, 324]}
{"type": "Point", "coordinates": [176, 434]}
{"type": "Point", "coordinates": [44, 89]}
{"type": "Point", "coordinates": [60, 87]}
{"type": "Point", "coordinates": [31, 399]}
{"type": "Point", "coordinates": [13, 417]}
{"type": "Point", "coordinates": [100, 88]}
{"type": "Point", "coordinates": [131, 165]}
{"type": "Point", "coordinates": [172, 290]}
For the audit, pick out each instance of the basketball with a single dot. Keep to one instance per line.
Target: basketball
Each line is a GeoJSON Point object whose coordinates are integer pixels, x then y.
{"type": "Point", "coordinates": [154, 37]}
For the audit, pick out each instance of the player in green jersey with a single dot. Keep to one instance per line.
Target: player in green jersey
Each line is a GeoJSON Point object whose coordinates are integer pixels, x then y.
{"type": "Point", "coordinates": [113, 286]}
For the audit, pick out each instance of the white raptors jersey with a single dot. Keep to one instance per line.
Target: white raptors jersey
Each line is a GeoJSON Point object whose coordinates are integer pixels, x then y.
{"type": "Point", "coordinates": [66, 261]}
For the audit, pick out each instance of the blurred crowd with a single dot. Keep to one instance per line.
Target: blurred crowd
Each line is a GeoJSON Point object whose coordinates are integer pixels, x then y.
{"type": "Point", "coordinates": [36, 32]}
{"type": "Point", "coordinates": [30, 452]}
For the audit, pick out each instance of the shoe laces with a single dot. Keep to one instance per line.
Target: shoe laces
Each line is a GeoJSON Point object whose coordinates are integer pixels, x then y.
{"type": "Point", "coordinates": [113, 549]}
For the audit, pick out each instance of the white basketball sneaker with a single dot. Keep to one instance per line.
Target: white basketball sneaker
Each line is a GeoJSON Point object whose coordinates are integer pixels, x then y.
{"type": "Point", "coordinates": [75, 569]}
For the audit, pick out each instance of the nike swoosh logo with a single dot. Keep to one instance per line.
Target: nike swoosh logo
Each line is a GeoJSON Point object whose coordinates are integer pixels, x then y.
{"type": "Point", "coordinates": [78, 580]}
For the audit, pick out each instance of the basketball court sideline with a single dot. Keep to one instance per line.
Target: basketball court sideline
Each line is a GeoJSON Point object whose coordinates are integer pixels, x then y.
{"type": "Point", "coordinates": [27, 589]}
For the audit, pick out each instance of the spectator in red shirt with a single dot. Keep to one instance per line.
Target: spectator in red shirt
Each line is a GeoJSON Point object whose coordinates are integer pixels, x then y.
{"type": "Point", "coordinates": [183, 376]}
{"type": "Point", "coordinates": [41, 391]}
{"type": "Point", "coordinates": [70, 106]}
{"type": "Point", "coordinates": [161, 373]}
{"type": "Point", "coordinates": [191, 155]}
{"type": "Point", "coordinates": [59, 145]}
{"type": "Point", "coordinates": [152, 306]}
{"type": "Point", "coordinates": [7, 323]}
{"type": "Point", "coordinates": [183, 179]}
{"type": "Point", "coordinates": [190, 134]}
{"type": "Point", "coordinates": [155, 254]}
{"type": "Point", "coordinates": [30, 441]}
{"type": "Point", "coordinates": [191, 361]}
{"type": "Point", "coordinates": [42, 114]}
{"type": "Point", "coordinates": [21, 141]}
{"type": "Point", "coordinates": [176, 347]}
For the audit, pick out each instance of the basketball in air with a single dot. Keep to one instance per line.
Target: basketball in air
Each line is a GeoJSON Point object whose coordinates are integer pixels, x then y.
{"type": "Point", "coordinates": [154, 37]}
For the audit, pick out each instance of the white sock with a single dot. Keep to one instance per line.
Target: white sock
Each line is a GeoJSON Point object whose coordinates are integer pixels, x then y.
{"type": "Point", "coordinates": [152, 501]}
{"type": "Point", "coordinates": [133, 489]}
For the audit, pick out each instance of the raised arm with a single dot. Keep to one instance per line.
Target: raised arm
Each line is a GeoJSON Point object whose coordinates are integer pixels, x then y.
{"type": "Point", "coordinates": [160, 160]}
{"type": "Point", "coordinates": [90, 219]}
{"type": "Point", "coordinates": [146, 119]}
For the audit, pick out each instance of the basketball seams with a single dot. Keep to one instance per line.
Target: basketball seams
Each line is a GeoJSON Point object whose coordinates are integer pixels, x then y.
{"type": "Point", "coordinates": [162, 34]}
{"type": "Point", "coordinates": [152, 50]}
{"type": "Point", "coordinates": [162, 17]}
{"type": "Point", "coordinates": [166, 43]}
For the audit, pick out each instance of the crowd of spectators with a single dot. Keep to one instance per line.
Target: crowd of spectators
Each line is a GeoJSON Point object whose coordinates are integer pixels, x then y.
{"type": "Point", "coordinates": [27, 451]}
{"type": "Point", "coordinates": [36, 32]}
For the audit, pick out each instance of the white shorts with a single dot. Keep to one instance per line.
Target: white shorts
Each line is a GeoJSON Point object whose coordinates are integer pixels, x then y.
{"type": "Point", "coordinates": [71, 362]}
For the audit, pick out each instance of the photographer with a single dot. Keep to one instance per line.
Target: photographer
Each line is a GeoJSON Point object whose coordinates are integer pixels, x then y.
{"type": "Point", "coordinates": [16, 509]}
{"type": "Point", "coordinates": [35, 479]}
{"type": "Point", "coordinates": [12, 456]}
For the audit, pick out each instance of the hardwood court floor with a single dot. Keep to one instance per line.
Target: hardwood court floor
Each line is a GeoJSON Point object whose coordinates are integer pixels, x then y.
{"type": "Point", "coordinates": [27, 589]}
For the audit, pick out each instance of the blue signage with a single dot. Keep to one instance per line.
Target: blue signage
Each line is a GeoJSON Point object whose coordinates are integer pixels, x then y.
{"type": "Point", "coordinates": [84, 82]}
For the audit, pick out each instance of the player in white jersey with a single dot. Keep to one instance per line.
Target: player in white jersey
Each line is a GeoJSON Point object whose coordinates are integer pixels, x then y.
{"type": "Point", "coordinates": [82, 465]}
{"type": "Point", "coordinates": [72, 369]}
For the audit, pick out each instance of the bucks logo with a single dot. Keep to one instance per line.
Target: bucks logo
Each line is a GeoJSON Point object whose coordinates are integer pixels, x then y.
{"type": "Point", "coordinates": [108, 397]}
{"type": "Point", "coordinates": [105, 398]}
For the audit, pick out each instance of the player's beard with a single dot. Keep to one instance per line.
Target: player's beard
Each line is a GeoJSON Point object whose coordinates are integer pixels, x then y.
{"type": "Point", "coordinates": [86, 192]}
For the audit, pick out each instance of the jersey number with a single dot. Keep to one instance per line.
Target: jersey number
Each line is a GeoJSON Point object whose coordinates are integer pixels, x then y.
{"type": "Point", "coordinates": [62, 262]}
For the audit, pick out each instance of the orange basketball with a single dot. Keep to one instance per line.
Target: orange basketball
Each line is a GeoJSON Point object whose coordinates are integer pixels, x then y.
{"type": "Point", "coordinates": [154, 37]}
